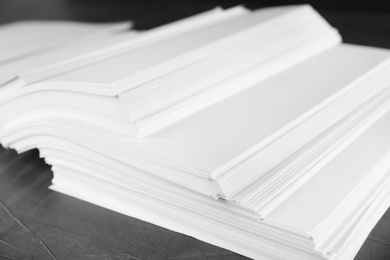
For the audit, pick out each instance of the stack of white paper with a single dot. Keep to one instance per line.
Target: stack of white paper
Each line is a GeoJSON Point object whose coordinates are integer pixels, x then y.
{"type": "Point", "coordinates": [253, 130]}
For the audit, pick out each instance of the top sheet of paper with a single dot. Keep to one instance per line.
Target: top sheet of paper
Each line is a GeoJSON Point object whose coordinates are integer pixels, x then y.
{"type": "Point", "coordinates": [214, 136]}
{"type": "Point", "coordinates": [25, 38]}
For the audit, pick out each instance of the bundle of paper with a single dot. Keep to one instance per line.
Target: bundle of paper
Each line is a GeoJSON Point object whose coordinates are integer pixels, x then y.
{"type": "Point", "coordinates": [257, 131]}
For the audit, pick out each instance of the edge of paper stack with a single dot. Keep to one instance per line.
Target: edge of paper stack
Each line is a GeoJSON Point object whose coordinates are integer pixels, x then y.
{"type": "Point", "coordinates": [257, 131]}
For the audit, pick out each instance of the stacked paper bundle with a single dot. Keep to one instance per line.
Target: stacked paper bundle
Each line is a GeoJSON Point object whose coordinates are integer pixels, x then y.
{"type": "Point", "coordinates": [257, 131]}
